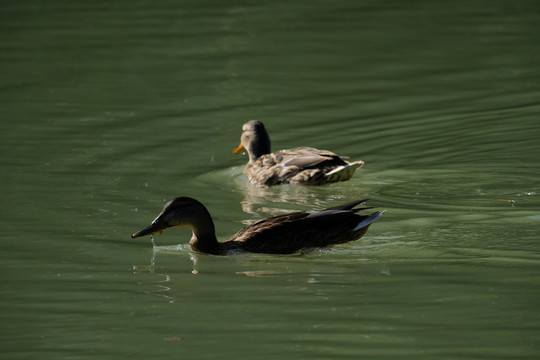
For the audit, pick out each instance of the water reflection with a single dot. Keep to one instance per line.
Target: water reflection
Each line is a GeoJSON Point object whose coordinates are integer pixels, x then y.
{"type": "Point", "coordinates": [261, 273]}
{"type": "Point", "coordinates": [163, 289]}
{"type": "Point", "coordinates": [256, 198]}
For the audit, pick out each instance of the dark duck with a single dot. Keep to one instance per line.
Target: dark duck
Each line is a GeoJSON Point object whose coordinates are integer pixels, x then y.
{"type": "Point", "coordinates": [282, 234]}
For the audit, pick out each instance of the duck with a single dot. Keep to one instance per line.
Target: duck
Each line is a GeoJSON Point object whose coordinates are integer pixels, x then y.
{"type": "Point", "coordinates": [302, 165]}
{"type": "Point", "coordinates": [281, 234]}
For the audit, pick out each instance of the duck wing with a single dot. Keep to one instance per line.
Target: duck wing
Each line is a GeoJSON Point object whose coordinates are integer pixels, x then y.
{"type": "Point", "coordinates": [307, 158]}
{"type": "Point", "coordinates": [288, 233]}
{"type": "Point", "coordinates": [298, 166]}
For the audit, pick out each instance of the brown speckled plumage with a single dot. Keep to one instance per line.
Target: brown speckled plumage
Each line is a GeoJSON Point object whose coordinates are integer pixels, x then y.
{"type": "Point", "coordinates": [303, 165]}
{"type": "Point", "coordinates": [282, 234]}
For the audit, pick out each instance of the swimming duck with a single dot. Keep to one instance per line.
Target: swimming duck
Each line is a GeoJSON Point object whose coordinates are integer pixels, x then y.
{"type": "Point", "coordinates": [303, 165]}
{"type": "Point", "coordinates": [282, 234]}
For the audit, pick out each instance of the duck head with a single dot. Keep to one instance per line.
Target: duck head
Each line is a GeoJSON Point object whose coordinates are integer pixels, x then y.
{"type": "Point", "coordinates": [254, 140]}
{"type": "Point", "coordinates": [182, 211]}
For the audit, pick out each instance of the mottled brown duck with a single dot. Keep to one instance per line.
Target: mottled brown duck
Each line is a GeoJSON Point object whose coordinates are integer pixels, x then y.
{"type": "Point", "coordinates": [282, 234]}
{"type": "Point", "coordinates": [303, 165]}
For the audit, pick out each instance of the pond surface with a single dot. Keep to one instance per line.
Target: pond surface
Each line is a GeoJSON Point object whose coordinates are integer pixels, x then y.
{"type": "Point", "coordinates": [109, 109]}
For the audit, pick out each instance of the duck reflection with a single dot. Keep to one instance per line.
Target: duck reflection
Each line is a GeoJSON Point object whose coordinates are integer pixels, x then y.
{"type": "Point", "coordinates": [256, 199]}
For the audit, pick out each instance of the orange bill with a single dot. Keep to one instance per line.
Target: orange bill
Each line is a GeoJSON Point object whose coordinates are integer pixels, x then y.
{"type": "Point", "coordinates": [239, 149]}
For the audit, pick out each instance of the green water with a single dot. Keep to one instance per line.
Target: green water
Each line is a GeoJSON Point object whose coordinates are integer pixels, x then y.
{"type": "Point", "coordinates": [109, 109]}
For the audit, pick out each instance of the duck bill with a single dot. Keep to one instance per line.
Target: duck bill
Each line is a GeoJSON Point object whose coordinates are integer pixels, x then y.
{"type": "Point", "coordinates": [156, 226]}
{"type": "Point", "coordinates": [240, 148]}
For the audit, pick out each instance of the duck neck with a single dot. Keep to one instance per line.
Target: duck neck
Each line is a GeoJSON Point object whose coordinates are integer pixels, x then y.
{"type": "Point", "coordinates": [204, 235]}
{"type": "Point", "coordinates": [259, 147]}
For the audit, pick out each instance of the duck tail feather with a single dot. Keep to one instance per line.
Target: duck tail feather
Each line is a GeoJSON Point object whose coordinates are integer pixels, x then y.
{"type": "Point", "coordinates": [362, 208]}
{"type": "Point", "coordinates": [352, 165]}
{"type": "Point", "coordinates": [348, 206]}
{"type": "Point", "coordinates": [370, 219]}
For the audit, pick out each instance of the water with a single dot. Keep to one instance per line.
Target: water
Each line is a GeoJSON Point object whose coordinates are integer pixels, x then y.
{"type": "Point", "coordinates": [110, 109]}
